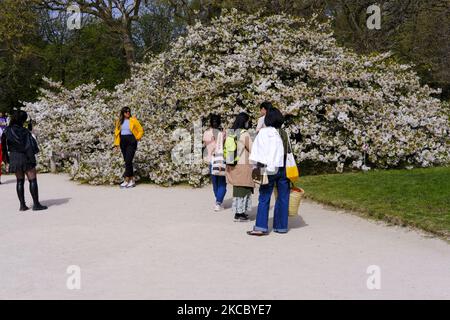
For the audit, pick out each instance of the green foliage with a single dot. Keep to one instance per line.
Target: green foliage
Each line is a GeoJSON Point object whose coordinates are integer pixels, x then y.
{"type": "Point", "coordinates": [416, 31]}
{"type": "Point", "coordinates": [20, 59]}
{"type": "Point", "coordinates": [89, 54]}
{"type": "Point", "coordinates": [156, 29]}
{"type": "Point", "coordinates": [36, 44]}
{"type": "Point", "coordinates": [425, 39]}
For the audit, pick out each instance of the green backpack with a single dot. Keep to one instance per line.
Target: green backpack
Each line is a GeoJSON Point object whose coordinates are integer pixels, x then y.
{"type": "Point", "coordinates": [230, 152]}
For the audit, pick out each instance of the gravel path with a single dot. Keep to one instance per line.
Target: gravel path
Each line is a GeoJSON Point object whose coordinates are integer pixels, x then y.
{"type": "Point", "coordinates": [167, 243]}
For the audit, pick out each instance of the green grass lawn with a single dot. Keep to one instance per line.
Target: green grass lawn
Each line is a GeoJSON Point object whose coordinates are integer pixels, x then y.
{"type": "Point", "coordinates": [418, 198]}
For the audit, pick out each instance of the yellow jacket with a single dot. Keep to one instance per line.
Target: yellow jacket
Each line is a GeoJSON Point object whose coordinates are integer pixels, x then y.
{"type": "Point", "coordinates": [135, 128]}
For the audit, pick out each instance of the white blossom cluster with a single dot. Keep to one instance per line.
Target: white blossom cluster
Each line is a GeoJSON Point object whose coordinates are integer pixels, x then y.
{"type": "Point", "coordinates": [347, 109]}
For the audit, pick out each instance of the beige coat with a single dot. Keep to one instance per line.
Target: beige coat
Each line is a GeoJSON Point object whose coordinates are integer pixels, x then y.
{"type": "Point", "coordinates": [241, 174]}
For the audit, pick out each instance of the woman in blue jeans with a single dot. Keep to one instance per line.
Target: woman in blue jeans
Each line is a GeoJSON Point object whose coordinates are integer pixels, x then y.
{"type": "Point", "coordinates": [220, 189]}
{"type": "Point", "coordinates": [271, 149]}
{"type": "Point", "coordinates": [210, 138]}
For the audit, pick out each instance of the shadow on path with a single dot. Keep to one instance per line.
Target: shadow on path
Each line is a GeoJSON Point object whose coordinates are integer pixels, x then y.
{"type": "Point", "coordinates": [294, 222]}
{"type": "Point", "coordinates": [297, 222]}
{"type": "Point", "coordinates": [9, 181]}
{"type": "Point", "coordinates": [55, 202]}
{"type": "Point", "coordinates": [227, 203]}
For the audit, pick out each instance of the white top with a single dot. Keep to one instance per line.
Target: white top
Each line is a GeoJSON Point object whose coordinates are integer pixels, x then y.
{"type": "Point", "coordinates": [268, 149]}
{"type": "Point", "coordinates": [260, 123]}
{"type": "Point", "coordinates": [125, 129]}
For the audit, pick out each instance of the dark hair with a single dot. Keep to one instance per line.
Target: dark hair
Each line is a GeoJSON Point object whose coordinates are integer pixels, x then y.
{"type": "Point", "coordinates": [122, 114]}
{"type": "Point", "coordinates": [30, 124]}
{"type": "Point", "coordinates": [274, 118]}
{"type": "Point", "coordinates": [18, 118]}
{"type": "Point", "coordinates": [215, 121]}
{"type": "Point", "coordinates": [266, 105]}
{"type": "Point", "coordinates": [241, 119]}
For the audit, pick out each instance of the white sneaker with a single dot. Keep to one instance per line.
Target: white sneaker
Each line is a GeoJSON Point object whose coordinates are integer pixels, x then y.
{"type": "Point", "coordinates": [123, 184]}
{"type": "Point", "coordinates": [218, 207]}
{"type": "Point", "coordinates": [131, 184]}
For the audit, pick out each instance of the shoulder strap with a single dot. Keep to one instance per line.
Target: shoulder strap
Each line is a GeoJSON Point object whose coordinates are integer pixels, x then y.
{"type": "Point", "coordinates": [283, 132]}
{"type": "Point", "coordinates": [219, 142]}
{"type": "Point", "coordinates": [241, 132]}
{"type": "Point", "coordinates": [289, 142]}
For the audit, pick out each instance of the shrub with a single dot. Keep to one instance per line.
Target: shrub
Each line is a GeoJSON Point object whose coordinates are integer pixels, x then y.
{"type": "Point", "coordinates": [345, 109]}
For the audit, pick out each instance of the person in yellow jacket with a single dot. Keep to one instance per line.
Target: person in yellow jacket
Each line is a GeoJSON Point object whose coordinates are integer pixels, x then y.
{"type": "Point", "coordinates": [126, 136]}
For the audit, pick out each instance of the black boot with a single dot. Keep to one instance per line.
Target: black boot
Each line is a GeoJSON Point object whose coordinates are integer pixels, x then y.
{"type": "Point", "coordinates": [21, 194]}
{"type": "Point", "coordinates": [35, 194]}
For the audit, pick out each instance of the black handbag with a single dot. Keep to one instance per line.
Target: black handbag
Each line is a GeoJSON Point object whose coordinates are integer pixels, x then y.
{"type": "Point", "coordinates": [31, 146]}
{"type": "Point", "coordinates": [259, 176]}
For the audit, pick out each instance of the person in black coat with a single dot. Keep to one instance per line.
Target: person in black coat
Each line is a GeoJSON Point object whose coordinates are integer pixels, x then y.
{"type": "Point", "coordinates": [19, 151]}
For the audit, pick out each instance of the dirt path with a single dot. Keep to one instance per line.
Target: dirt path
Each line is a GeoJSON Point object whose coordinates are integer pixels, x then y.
{"type": "Point", "coordinates": [158, 243]}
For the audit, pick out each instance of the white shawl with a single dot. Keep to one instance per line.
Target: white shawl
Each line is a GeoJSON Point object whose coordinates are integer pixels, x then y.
{"type": "Point", "coordinates": [268, 149]}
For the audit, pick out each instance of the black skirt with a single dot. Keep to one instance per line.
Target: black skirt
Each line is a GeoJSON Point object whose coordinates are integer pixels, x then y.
{"type": "Point", "coordinates": [241, 192]}
{"type": "Point", "coordinates": [19, 162]}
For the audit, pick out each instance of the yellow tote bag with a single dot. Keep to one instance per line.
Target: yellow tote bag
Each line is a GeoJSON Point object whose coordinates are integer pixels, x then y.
{"type": "Point", "coordinates": [291, 167]}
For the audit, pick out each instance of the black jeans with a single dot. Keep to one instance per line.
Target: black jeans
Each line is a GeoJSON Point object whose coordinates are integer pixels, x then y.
{"type": "Point", "coordinates": [128, 146]}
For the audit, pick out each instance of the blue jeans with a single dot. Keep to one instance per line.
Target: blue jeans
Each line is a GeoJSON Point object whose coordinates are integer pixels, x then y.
{"type": "Point", "coordinates": [281, 212]}
{"type": "Point", "coordinates": [219, 187]}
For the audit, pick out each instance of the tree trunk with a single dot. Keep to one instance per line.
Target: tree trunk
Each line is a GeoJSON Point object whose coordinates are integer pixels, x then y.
{"type": "Point", "coordinates": [129, 48]}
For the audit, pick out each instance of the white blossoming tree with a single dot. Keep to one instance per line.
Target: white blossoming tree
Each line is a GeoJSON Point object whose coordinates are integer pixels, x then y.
{"type": "Point", "coordinates": [345, 109]}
